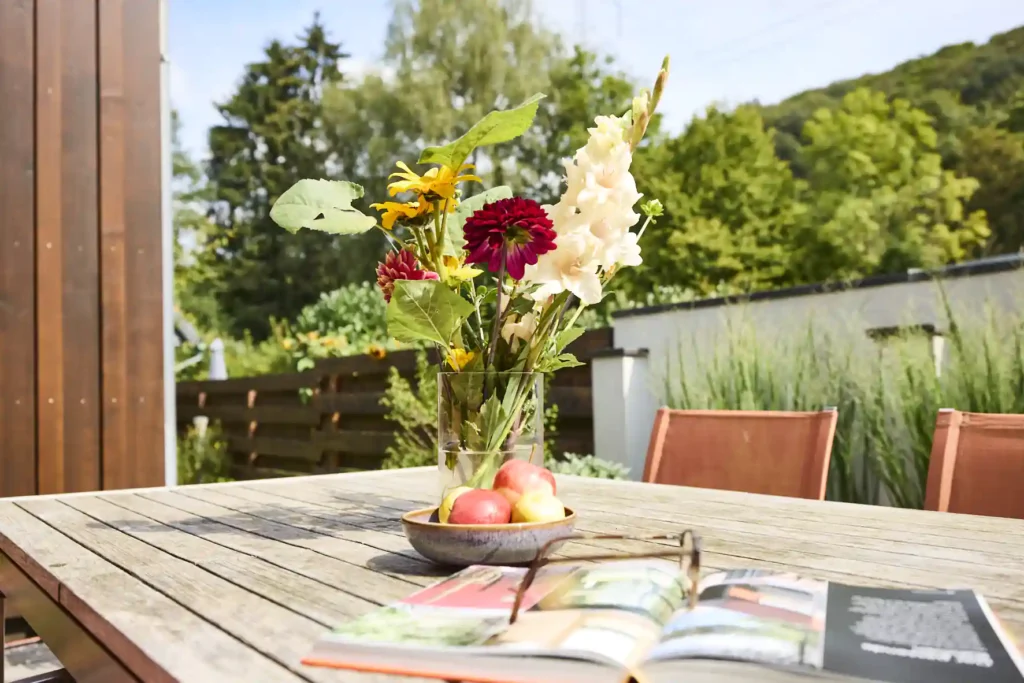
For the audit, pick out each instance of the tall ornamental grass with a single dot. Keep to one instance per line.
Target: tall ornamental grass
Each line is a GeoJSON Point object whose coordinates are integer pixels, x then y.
{"type": "Point", "coordinates": [887, 392]}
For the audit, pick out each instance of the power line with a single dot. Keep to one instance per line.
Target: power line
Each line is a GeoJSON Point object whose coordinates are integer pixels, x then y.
{"type": "Point", "coordinates": [729, 59]}
{"type": "Point", "coordinates": [793, 18]}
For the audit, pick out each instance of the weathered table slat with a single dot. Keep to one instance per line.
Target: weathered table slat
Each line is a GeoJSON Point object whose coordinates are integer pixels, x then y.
{"type": "Point", "coordinates": [234, 582]}
{"type": "Point", "coordinates": [141, 626]}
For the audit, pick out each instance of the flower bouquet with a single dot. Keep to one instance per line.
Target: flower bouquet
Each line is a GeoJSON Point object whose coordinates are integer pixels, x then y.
{"type": "Point", "coordinates": [494, 281]}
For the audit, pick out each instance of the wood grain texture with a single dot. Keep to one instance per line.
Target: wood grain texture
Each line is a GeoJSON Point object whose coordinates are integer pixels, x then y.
{"type": "Point", "coordinates": [281, 634]}
{"type": "Point", "coordinates": [143, 628]}
{"type": "Point", "coordinates": [130, 241]}
{"type": "Point", "coordinates": [67, 301]}
{"type": "Point", "coordinates": [272, 564]}
{"type": "Point", "coordinates": [143, 463]}
{"type": "Point", "coordinates": [117, 406]}
{"type": "Point", "coordinates": [17, 250]}
{"type": "Point", "coordinates": [81, 654]}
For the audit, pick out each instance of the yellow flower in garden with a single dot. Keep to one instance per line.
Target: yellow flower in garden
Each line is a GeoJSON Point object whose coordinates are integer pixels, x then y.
{"type": "Point", "coordinates": [393, 211]}
{"type": "Point", "coordinates": [439, 181]}
{"type": "Point", "coordinates": [286, 344]}
{"type": "Point", "coordinates": [458, 271]}
{"type": "Point", "coordinates": [377, 351]}
{"type": "Point", "coordinates": [328, 341]}
{"type": "Point", "coordinates": [460, 358]}
{"type": "Point", "coordinates": [314, 335]}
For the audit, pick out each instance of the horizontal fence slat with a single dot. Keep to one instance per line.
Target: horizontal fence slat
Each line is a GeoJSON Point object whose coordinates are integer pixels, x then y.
{"type": "Point", "coordinates": [355, 403]}
{"type": "Point", "coordinates": [571, 401]}
{"type": "Point", "coordinates": [241, 385]}
{"type": "Point", "coordinates": [288, 415]}
{"type": "Point", "coordinates": [358, 442]}
{"type": "Point", "coordinates": [284, 448]}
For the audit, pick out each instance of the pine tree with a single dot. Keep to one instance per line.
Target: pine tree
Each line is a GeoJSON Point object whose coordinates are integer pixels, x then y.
{"type": "Point", "coordinates": [272, 137]}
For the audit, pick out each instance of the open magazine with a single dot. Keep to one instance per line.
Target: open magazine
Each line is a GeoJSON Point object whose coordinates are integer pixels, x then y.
{"type": "Point", "coordinates": [631, 620]}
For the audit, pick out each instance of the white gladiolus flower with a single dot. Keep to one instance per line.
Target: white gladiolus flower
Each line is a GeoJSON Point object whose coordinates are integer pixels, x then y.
{"type": "Point", "coordinates": [592, 218]}
{"type": "Point", "coordinates": [522, 328]}
{"type": "Point", "coordinates": [571, 267]}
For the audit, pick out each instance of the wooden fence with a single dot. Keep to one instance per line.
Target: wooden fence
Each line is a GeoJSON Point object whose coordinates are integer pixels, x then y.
{"type": "Point", "coordinates": [330, 419]}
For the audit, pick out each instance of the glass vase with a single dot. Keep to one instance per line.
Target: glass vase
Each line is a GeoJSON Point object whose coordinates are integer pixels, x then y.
{"type": "Point", "coordinates": [485, 419]}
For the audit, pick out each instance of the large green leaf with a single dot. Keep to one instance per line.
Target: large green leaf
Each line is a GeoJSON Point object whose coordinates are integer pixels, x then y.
{"type": "Point", "coordinates": [453, 239]}
{"type": "Point", "coordinates": [324, 205]}
{"type": "Point", "coordinates": [498, 126]}
{"type": "Point", "coordinates": [425, 310]}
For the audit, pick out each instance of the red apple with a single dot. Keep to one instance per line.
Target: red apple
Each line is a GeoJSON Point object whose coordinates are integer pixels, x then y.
{"type": "Point", "coordinates": [517, 477]}
{"type": "Point", "coordinates": [480, 506]}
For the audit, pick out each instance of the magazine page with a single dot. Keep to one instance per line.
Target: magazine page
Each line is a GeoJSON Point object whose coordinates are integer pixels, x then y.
{"type": "Point", "coordinates": [752, 615]}
{"type": "Point", "coordinates": [880, 634]}
{"type": "Point", "coordinates": [610, 613]}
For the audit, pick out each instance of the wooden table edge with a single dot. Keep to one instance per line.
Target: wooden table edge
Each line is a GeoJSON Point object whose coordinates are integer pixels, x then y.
{"type": "Point", "coordinates": [79, 652]}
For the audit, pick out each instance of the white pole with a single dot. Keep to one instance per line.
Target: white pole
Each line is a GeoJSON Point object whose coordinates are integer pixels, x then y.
{"type": "Point", "coordinates": [167, 234]}
{"type": "Point", "coordinates": [218, 365]}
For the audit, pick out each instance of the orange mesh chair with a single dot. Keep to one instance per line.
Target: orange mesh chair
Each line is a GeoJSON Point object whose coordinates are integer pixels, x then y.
{"type": "Point", "coordinates": [977, 464]}
{"type": "Point", "coordinates": [777, 453]}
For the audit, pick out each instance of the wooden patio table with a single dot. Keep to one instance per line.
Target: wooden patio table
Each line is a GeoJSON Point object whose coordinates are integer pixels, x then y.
{"type": "Point", "coordinates": [234, 582]}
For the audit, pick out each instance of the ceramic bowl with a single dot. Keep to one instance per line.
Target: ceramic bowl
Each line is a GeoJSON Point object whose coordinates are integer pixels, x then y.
{"type": "Point", "coordinates": [460, 545]}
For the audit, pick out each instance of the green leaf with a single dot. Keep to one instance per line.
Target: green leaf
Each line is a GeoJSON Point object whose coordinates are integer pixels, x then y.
{"type": "Point", "coordinates": [566, 337]}
{"type": "Point", "coordinates": [563, 360]}
{"type": "Point", "coordinates": [454, 241]}
{"type": "Point", "coordinates": [498, 126]}
{"type": "Point", "coordinates": [425, 310]}
{"type": "Point", "coordinates": [324, 205]}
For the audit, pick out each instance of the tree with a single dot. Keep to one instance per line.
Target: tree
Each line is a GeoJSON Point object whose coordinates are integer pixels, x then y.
{"type": "Point", "coordinates": [194, 287]}
{"type": "Point", "coordinates": [731, 207]}
{"type": "Point", "coordinates": [995, 157]}
{"type": "Point", "coordinates": [881, 201]}
{"type": "Point", "coordinates": [447, 63]}
{"type": "Point", "coordinates": [272, 137]}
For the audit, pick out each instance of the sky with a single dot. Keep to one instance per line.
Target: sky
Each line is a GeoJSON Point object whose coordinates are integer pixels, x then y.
{"type": "Point", "coordinates": [724, 52]}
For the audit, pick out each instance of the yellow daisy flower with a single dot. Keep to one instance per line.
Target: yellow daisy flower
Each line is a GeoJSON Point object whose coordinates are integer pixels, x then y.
{"type": "Point", "coordinates": [438, 182]}
{"type": "Point", "coordinates": [394, 211]}
{"type": "Point", "coordinates": [376, 351]}
{"type": "Point", "coordinates": [460, 358]}
{"type": "Point", "coordinates": [457, 271]}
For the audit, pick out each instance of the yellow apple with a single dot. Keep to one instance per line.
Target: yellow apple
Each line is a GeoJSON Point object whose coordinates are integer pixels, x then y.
{"type": "Point", "coordinates": [537, 506]}
{"type": "Point", "coordinates": [446, 505]}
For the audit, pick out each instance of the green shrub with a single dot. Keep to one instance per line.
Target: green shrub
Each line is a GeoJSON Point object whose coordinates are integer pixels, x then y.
{"type": "Point", "coordinates": [203, 459]}
{"type": "Point", "coordinates": [412, 406]}
{"type": "Point", "coordinates": [887, 396]}
{"type": "Point", "coordinates": [588, 466]}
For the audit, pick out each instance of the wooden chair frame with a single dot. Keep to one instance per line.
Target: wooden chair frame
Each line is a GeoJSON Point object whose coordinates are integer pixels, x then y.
{"type": "Point", "coordinates": [946, 447]}
{"type": "Point", "coordinates": [815, 468]}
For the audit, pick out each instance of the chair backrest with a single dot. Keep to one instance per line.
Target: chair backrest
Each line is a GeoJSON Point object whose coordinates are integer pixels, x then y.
{"type": "Point", "coordinates": [777, 453]}
{"type": "Point", "coordinates": [977, 464]}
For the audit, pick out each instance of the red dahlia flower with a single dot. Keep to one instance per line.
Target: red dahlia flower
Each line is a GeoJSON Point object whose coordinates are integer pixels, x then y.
{"type": "Point", "coordinates": [517, 228]}
{"type": "Point", "coordinates": [400, 265]}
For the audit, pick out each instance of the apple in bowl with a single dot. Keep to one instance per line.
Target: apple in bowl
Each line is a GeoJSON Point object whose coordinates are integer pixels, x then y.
{"type": "Point", "coordinates": [506, 524]}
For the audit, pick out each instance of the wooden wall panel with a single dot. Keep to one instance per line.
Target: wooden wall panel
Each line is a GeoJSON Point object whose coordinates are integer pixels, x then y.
{"type": "Point", "coordinates": [17, 246]}
{"type": "Point", "coordinates": [81, 297]}
{"type": "Point", "coordinates": [67, 214]}
{"type": "Point", "coordinates": [130, 153]}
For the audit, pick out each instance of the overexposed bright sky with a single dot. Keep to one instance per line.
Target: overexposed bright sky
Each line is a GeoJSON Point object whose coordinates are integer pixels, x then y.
{"type": "Point", "coordinates": [728, 51]}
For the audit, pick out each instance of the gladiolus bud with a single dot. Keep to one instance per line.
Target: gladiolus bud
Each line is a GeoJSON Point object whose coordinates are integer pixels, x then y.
{"type": "Point", "coordinates": [659, 86]}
